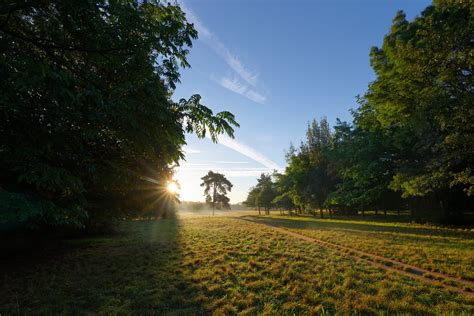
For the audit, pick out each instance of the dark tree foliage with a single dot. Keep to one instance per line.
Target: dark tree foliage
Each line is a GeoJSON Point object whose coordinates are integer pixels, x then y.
{"type": "Point", "coordinates": [308, 178]}
{"type": "Point", "coordinates": [262, 194]}
{"type": "Point", "coordinates": [362, 157]}
{"type": "Point", "coordinates": [88, 130]}
{"type": "Point", "coordinates": [423, 96]}
{"type": "Point", "coordinates": [266, 192]}
{"type": "Point", "coordinates": [251, 200]}
{"type": "Point", "coordinates": [282, 199]}
{"type": "Point", "coordinates": [216, 186]}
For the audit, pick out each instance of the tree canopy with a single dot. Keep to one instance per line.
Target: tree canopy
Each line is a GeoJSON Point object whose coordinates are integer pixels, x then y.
{"type": "Point", "coordinates": [216, 186]}
{"type": "Point", "coordinates": [88, 129]}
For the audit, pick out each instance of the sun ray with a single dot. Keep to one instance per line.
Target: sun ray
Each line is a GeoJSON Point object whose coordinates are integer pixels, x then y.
{"type": "Point", "coordinates": [172, 187]}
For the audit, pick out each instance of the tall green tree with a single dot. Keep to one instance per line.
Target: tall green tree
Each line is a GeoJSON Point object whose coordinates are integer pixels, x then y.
{"type": "Point", "coordinates": [363, 160]}
{"type": "Point", "coordinates": [266, 192]}
{"type": "Point", "coordinates": [216, 186]}
{"type": "Point", "coordinates": [308, 177]}
{"type": "Point", "coordinates": [88, 129]}
{"type": "Point", "coordinates": [423, 94]}
{"type": "Point", "coordinates": [282, 199]}
{"type": "Point", "coordinates": [262, 194]}
{"type": "Point", "coordinates": [252, 198]}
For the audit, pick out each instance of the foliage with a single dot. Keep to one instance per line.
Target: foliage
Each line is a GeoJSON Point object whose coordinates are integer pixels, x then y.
{"type": "Point", "coordinates": [423, 95]}
{"type": "Point", "coordinates": [308, 179]}
{"type": "Point", "coordinates": [251, 200]}
{"type": "Point", "coordinates": [363, 159]}
{"type": "Point", "coordinates": [263, 194]}
{"type": "Point", "coordinates": [88, 128]}
{"type": "Point", "coordinates": [216, 187]}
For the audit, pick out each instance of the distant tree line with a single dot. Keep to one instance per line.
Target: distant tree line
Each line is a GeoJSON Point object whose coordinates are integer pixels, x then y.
{"type": "Point", "coordinates": [88, 129]}
{"type": "Point", "coordinates": [410, 144]}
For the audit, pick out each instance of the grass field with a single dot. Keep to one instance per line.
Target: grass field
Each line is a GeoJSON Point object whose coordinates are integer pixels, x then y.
{"type": "Point", "coordinates": [221, 265]}
{"type": "Point", "coordinates": [444, 250]}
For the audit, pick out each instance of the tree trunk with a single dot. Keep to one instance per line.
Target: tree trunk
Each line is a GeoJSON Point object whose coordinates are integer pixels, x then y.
{"type": "Point", "coordinates": [214, 200]}
{"type": "Point", "coordinates": [385, 213]}
{"type": "Point", "coordinates": [376, 212]}
{"type": "Point", "coordinates": [321, 212]}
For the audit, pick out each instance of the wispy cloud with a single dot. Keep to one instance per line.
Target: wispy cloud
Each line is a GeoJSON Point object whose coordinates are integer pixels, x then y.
{"type": "Point", "coordinates": [234, 85]}
{"type": "Point", "coordinates": [229, 172]}
{"type": "Point", "coordinates": [255, 97]}
{"type": "Point", "coordinates": [216, 45]}
{"type": "Point", "coordinates": [249, 152]}
{"type": "Point", "coordinates": [211, 40]}
{"type": "Point", "coordinates": [211, 163]}
{"type": "Point", "coordinates": [190, 151]}
{"type": "Point", "coordinates": [239, 68]}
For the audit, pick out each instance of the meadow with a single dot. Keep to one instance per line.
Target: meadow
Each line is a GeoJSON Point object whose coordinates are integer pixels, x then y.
{"type": "Point", "coordinates": [434, 248]}
{"type": "Point", "coordinates": [224, 264]}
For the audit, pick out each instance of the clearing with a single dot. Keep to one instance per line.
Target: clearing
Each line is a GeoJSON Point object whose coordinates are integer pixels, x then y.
{"type": "Point", "coordinates": [226, 265]}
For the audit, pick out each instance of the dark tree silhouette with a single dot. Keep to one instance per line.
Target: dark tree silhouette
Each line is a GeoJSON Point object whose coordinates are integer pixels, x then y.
{"type": "Point", "coordinates": [216, 187]}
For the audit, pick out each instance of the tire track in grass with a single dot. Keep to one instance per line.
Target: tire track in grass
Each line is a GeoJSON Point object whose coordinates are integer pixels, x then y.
{"type": "Point", "coordinates": [450, 283]}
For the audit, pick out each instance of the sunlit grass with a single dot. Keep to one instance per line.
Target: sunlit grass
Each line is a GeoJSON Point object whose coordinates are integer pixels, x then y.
{"type": "Point", "coordinates": [207, 264]}
{"type": "Point", "coordinates": [434, 248]}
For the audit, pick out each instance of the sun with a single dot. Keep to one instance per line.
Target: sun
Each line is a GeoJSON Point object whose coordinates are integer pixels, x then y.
{"type": "Point", "coordinates": [172, 187]}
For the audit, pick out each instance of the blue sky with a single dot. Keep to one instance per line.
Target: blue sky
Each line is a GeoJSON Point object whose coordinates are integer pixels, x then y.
{"type": "Point", "coordinates": [275, 65]}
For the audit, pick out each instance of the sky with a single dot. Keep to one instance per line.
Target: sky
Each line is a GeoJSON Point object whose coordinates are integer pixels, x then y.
{"type": "Point", "coordinates": [275, 65]}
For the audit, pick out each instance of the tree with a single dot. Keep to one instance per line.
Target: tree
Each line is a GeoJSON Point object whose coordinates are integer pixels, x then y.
{"type": "Point", "coordinates": [266, 197]}
{"type": "Point", "coordinates": [283, 202]}
{"type": "Point", "coordinates": [252, 197]}
{"type": "Point", "coordinates": [363, 159]}
{"type": "Point", "coordinates": [282, 199]}
{"type": "Point", "coordinates": [88, 129]}
{"type": "Point", "coordinates": [423, 94]}
{"type": "Point", "coordinates": [262, 194]}
{"type": "Point", "coordinates": [307, 177]}
{"type": "Point", "coordinates": [216, 187]}
{"type": "Point", "coordinates": [266, 192]}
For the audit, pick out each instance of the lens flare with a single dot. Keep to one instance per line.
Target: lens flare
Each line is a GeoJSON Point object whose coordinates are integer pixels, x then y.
{"type": "Point", "coordinates": [172, 187]}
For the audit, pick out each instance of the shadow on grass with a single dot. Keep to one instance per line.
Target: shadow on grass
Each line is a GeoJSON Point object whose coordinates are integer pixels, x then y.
{"type": "Point", "coordinates": [353, 225]}
{"type": "Point", "coordinates": [132, 273]}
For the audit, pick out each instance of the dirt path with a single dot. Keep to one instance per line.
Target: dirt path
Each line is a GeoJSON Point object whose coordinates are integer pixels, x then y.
{"type": "Point", "coordinates": [450, 283]}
